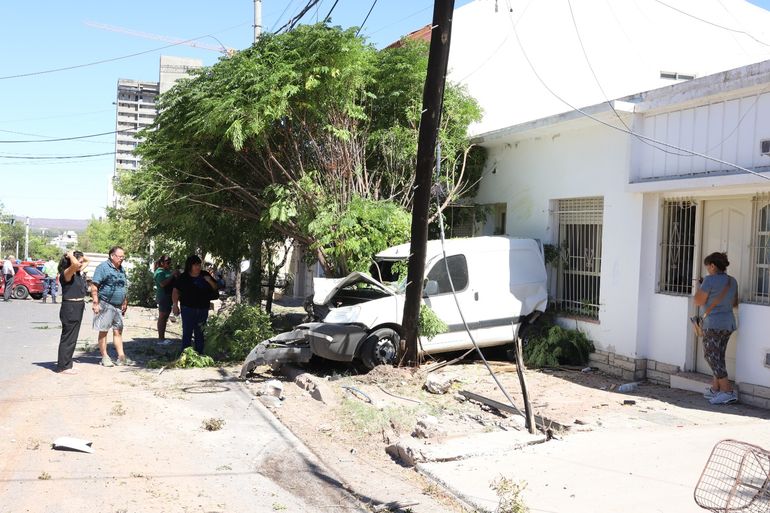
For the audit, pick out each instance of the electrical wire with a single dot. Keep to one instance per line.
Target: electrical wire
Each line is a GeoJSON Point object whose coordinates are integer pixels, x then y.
{"type": "Point", "coordinates": [54, 157]}
{"type": "Point", "coordinates": [604, 94]}
{"type": "Point", "coordinates": [61, 138]}
{"type": "Point", "coordinates": [615, 127]}
{"type": "Point", "coordinates": [460, 311]}
{"type": "Point", "coordinates": [328, 15]}
{"type": "Point", "coordinates": [367, 17]}
{"type": "Point", "coordinates": [737, 31]}
{"type": "Point", "coordinates": [103, 61]}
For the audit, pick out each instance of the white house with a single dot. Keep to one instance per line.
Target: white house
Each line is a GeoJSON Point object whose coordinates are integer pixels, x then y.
{"type": "Point", "coordinates": [637, 190]}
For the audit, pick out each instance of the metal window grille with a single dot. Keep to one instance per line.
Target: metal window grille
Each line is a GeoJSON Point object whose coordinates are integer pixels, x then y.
{"type": "Point", "coordinates": [677, 248]}
{"type": "Point", "coordinates": [759, 270]}
{"type": "Point", "coordinates": [580, 243]}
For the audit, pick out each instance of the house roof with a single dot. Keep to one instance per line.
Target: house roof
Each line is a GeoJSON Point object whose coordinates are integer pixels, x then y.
{"type": "Point", "coordinates": [542, 58]}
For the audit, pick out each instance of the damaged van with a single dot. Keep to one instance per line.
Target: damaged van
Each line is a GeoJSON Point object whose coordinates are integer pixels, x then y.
{"type": "Point", "coordinates": [499, 282]}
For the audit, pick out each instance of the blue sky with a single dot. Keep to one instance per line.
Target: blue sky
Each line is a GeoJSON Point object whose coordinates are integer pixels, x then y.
{"type": "Point", "coordinates": [39, 36]}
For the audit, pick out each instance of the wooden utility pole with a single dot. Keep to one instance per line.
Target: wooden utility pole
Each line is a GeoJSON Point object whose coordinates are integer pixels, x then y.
{"type": "Point", "coordinates": [432, 100]}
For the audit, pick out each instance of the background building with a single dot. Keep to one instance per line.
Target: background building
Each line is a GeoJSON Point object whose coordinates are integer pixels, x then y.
{"type": "Point", "coordinates": [136, 110]}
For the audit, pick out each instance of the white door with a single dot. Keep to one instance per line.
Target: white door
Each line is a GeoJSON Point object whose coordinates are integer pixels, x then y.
{"type": "Point", "coordinates": [726, 227]}
{"type": "Point", "coordinates": [443, 303]}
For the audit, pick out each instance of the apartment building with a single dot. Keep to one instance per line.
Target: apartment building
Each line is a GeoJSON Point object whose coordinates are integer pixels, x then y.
{"type": "Point", "coordinates": [136, 110]}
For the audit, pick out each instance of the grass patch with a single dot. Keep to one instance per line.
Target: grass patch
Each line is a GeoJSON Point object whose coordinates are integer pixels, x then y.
{"type": "Point", "coordinates": [366, 419]}
{"type": "Point", "coordinates": [213, 424]}
{"type": "Point", "coordinates": [509, 495]}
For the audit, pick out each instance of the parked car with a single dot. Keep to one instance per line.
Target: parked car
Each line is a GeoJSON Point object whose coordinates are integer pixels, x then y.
{"type": "Point", "coordinates": [499, 283]}
{"type": "Point", "coordinates": [27, 281]}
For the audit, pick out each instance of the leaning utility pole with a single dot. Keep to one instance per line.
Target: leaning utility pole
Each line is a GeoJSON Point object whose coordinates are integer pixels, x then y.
{"type": "Point", "coordinates": [257, 19]}
{"type": "Point", "coordinates": [432, 100]}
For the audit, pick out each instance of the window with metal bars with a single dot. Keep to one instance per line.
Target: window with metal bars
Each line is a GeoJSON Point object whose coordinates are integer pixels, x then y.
{"type": "Point", "coordinates": [580, 242]}
{"type": "Point", "coordinates": [677, 247]}
{"type": "Point", "coordinates": [759, 268]}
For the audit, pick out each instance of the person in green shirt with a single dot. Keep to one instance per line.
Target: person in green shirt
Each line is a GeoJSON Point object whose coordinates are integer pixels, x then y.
{"type": "Point", "coordinates": [50, 270]}
{"type": "Point", "coordinates": [164, 284]}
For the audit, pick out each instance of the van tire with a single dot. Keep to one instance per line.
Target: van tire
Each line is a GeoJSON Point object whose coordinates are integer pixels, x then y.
{"type": "Point", "coordinates": [20, 292]}
{"type": "Point", "coordinates": [380, 348]}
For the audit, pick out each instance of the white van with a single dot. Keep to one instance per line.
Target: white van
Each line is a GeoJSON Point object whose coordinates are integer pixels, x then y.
{"type": "Point", "coordinates": [499, 283]}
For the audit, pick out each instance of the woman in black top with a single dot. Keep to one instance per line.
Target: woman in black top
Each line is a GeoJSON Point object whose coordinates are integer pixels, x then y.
{"type": "Point", "coordinates": [74, 288]}
{"type": "Point", "coordinates": [194, 289]}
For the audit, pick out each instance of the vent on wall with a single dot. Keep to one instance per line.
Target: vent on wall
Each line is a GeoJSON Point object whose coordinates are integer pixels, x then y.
{"type": "Point", "coordinates": [764, 147]}
{"type": "Point", "coordinates": [673, 75]}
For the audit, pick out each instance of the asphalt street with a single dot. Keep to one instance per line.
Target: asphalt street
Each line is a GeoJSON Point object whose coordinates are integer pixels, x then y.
{"type": "Point", "coordinates": [152, 449]}
{"type": "Point", "coordinates": [29, 336]}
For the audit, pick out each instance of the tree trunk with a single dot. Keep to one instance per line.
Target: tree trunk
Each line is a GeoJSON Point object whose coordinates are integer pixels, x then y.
{"type": "Point", "coordinates": [255, 274]}
{"type": "Point", "coordinates": [238, 298]}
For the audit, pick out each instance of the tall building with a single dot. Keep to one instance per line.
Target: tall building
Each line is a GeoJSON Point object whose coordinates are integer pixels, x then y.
{"type": "Point", "coordinates": [136, 110]}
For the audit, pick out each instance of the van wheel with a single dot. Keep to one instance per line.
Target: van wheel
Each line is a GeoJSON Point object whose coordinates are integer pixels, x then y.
{"type": "Point", "coordinates": [20, 292]}
{"type": "Point", "coordinates": [380, 348]}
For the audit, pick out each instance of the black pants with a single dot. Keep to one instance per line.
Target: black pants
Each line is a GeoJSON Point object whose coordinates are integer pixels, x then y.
{"type": "Point", "coordinates": [70, 314]}
{"type": "Point", "coordinates": [8, 287]}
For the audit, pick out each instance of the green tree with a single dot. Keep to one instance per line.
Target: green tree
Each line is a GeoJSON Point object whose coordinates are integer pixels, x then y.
{"type": "Point", "coordinates": [304, 134]}
{"type": "Point", "coordinates": [104, 233]}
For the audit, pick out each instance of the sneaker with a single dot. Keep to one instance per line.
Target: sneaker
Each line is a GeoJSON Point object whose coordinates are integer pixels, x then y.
{"type": "Point", "coordinates": [165, 342]}
{"type": "Point", "coordinates": [107, 362]}
{"type": "Point", "coordinates": [125, 361]}
{"type": "Point", "coordinates": [724, 398]}
{"type": "Point", "coordinates": [708, 394]}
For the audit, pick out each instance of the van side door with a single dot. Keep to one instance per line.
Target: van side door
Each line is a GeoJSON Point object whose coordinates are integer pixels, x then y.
{"type": "Point", "coordinates": [438, 296]}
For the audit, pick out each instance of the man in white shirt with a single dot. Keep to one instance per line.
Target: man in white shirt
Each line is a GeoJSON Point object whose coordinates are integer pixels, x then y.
{"type": "Point", "coordinates": [8, 272]}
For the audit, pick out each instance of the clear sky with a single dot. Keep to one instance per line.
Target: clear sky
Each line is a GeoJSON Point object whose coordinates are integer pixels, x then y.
{"type": "Point", "coordinates": [41, 36]}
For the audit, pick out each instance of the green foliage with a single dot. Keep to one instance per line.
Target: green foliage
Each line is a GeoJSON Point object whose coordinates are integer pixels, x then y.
{"type": "Point", "coordinates": [509, 495]}
{"type": "Point", "coordinates": [550, 345]}
{"type": "Point", "coordinates": [231, 334]}
{"type": "Point", "coordinates": [429, 324]}
{"type": "Point", "coordinates": [350, 237]}
{"type": "Point", "coordinates": [551, 253]}
{"type": "Point", "coordinates": [298, 137]}
{"type": "Point", "coordinates": [141, 291]}
{"type": "Point", "coordinates": [102, 234]}
{"type": "Point", "coordinates": [190, 358]}
{"type": "Point", "coordinates": [40, 249]}
{"type": "Point", "coordinates": [187, 360]}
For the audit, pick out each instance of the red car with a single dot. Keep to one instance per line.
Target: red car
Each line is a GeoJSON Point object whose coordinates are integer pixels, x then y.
{"type": "Point", "coordinates": [27, 281]}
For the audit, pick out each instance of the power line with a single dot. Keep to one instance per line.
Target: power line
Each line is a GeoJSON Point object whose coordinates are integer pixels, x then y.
{"type": "Point", "coordinates": [55, 157]}
{"type": "Point", "coordinates": [61, 138]}
{"type": "Point", "coordinates": [729, 29]}
{"type": "Point", "coordinates": [367, 17]}
{"type": "Point", "coordinates": [328, 15]}
{"type": "Point", "coordinates": [103, 61]}
{"type": "Point", "coordinates": [610, 125]}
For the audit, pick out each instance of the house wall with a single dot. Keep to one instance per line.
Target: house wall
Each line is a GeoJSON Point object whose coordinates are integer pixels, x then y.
{"type": "Point", "coordinates": [530, 174]}
{"type": "Point", "coordinates": [726, 128]}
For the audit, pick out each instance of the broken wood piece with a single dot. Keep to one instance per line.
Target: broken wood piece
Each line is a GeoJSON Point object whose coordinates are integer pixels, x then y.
{"type": "Point", "coordinates": [68, 443]}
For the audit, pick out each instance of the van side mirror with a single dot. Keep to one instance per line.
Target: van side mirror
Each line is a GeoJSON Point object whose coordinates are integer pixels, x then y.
{"type": "Point", "coordinates": [430, 288]}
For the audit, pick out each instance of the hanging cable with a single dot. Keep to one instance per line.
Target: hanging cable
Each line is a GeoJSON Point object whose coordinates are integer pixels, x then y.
{"type": "Point", "coordinates": [63, 138]}
{"type": "Point", "coordinates": [328, 15]}
{"type": "Point", "coordinates": [615, 127]}
{"type": "Point", "coordinates": [54, 157]}
{"type": "Point", "coordinates": [460, 311]}
{"type": "Point", "coordinates": [367, 17]}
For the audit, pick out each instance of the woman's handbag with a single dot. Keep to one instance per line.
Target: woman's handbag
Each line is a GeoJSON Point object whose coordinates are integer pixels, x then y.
{"type": "Point", "coordinates": [697, 320]}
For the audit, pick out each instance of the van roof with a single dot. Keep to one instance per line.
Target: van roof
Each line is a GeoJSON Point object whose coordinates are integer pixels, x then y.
{"type": "Point", "coordinates": [454, 246]}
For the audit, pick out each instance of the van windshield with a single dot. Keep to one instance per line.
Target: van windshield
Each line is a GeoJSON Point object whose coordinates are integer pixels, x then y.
{"type": "Point", "coordinates": [391, 273]}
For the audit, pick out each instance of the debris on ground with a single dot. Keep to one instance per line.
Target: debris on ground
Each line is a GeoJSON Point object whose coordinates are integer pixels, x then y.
{"type": "Point", "coordinates": [68, 443]}
{"type": "Point", "coordinates": [438, 383]}
{"type": "Point", "coordinates": [213, 424]}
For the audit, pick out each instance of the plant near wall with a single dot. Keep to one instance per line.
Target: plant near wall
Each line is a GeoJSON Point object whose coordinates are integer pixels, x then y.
{"type": "Point", "coordinates": [550, 345]}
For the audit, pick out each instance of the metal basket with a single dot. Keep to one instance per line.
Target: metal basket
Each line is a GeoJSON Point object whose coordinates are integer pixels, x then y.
{"type": "Point", "coordinates": [736, 478]}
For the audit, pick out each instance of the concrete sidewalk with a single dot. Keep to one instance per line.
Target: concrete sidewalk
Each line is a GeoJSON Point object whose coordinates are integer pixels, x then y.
{"type": "Point", "coordinates": [652, 465]}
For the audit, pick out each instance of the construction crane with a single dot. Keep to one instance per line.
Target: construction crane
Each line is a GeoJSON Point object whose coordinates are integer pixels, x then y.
{"type": "Point", "coordinates": [188, 42]}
